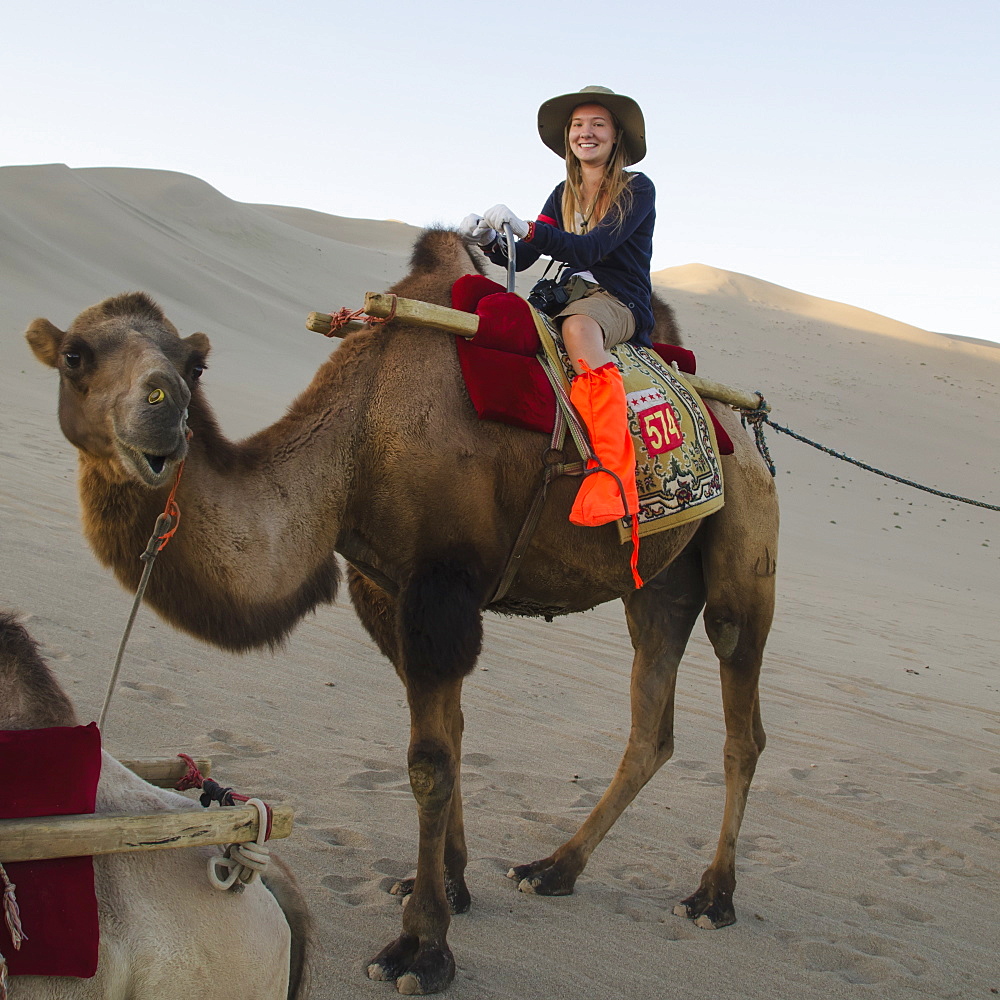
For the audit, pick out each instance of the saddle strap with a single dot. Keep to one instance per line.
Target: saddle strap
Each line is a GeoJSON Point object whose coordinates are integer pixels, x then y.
{"type": "Point", "coordinates": [566, 417]}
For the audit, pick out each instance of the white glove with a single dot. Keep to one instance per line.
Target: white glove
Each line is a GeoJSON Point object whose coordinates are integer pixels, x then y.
{"type": "Point", "coordinates": [473, 228]}
{"type": "Point", "coordinates": [499, 214]}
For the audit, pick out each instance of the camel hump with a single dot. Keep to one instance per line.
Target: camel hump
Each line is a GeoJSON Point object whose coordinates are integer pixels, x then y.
{"type": "Point", "coordinates": [438, 249]}
{"type": "Point", "coordinates": [34, 699]}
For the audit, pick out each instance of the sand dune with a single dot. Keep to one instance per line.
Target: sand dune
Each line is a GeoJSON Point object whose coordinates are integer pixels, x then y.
{"type": "Point", "coordinates": [869, 858]}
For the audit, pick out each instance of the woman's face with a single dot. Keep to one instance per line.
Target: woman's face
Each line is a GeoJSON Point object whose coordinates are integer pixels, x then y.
{"type": "Point", "coordinates": [592, 134]}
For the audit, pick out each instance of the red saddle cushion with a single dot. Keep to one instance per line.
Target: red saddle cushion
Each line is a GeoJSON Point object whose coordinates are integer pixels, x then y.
{"type": "Point", "coordinates": [52, 772]}
{"type": "Point", "coordinates": [503, 378]}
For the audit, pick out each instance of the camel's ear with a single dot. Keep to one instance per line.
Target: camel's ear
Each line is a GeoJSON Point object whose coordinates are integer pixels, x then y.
{"type": "Point", "coordinates": [45, 339]}
{"type": "Point", "coordinates": [199, 342]}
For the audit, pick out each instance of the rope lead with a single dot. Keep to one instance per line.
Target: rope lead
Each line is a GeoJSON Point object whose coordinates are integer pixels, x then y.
{"type": "Point", "coordinates": [758, 417]}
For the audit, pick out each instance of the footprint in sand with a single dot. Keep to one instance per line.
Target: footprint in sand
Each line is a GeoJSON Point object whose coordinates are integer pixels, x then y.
{"type": "Point", "coordinates": [342, 887]}
{"type": "Point", "coordinates": [691, 765]}
{"type": "Point", "coordinates": [938, 777]}
{"type": "Point", "coordinates": [767, 850]}
{"type": "Point", "coordinates": [564, 823]}
{"type": "Point", "coordinates": [862, 959]}
{"type": "Point", "coordinates": [158, 693]}
{"type": "Point", "coordinates": [988, 825]}
{"type": "Point", "coordinates": [925, 860]}
{"type": "Point", "coordinates": [377, 777]}
{"type": "Point", "coordinates": [892, 912]}
{"type": "Point", "coordinates": [227, 742]}
{"type": "Point", "coordinates": [343, 837]}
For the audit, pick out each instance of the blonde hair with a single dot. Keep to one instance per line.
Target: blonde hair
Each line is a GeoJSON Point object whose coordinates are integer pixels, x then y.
{"type": "Point", "coordinates": [614, 191]}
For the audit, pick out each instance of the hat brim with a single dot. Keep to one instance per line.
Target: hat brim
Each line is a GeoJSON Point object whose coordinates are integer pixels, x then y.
{"type": "Point", "coordinates": [555, 112]}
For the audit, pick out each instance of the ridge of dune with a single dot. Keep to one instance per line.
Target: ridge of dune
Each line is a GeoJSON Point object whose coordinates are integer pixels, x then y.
{"type": "Point", "coordinates": [704, 279]}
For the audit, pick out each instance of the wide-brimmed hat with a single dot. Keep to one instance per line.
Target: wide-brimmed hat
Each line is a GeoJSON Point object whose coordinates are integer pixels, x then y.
{"type": "Point", "coordinates": [555, 112]}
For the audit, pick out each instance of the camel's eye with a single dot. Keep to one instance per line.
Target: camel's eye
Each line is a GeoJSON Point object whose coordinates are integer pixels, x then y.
{"type": "Point", "coordinates": [72, 359]}
{"type": "Point", "coordinates": [197, 371]}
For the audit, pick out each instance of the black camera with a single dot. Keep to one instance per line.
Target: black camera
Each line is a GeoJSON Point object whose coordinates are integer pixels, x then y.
{"type": "Point", "coordinates": [548, 296]}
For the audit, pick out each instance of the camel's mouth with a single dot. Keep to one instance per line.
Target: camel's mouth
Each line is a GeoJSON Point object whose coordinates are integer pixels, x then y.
{"type": "Point", "coordinates": [154, 470]}
{"type": "Point", "coordinates": [155, 462]}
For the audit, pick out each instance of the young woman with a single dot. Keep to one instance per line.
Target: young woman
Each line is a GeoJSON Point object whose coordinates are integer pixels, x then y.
{"type": "Point", "coordinates": [599, 224]}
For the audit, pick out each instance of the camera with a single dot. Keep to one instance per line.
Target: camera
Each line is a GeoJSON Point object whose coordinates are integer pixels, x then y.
{"type": "Point", "coordinates": [548, 296]}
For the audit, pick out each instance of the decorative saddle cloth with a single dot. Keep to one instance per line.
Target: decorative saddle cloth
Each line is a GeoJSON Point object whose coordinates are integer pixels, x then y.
{"type": "Point", "coordinates": [676, 437]}
{"type": "Point", "coordinates": [51, 772]}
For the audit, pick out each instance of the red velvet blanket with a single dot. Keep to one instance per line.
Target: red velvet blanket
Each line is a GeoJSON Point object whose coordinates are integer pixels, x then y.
{"type": "Point", "coordinates": [51, 772]}
{"type": "Point", "coordinates": [504, 380]}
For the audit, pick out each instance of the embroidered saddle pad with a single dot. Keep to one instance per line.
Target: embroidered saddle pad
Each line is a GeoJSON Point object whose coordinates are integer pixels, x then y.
{"type": "Point", "coordinates": [678, 474]}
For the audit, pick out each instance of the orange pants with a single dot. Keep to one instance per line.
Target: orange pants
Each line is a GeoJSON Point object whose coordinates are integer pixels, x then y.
{"type": "Point", "coordinates": [610, 492]}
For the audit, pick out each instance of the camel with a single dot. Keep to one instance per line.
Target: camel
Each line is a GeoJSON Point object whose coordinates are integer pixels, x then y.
{"type": "Point", "coordinates": [382, 460]}
{"type": "Point", "coordinates": [164, 931]}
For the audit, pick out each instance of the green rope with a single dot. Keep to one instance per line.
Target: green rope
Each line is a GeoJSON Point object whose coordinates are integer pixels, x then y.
{"type": "Point", "coordinates": [757, 418]}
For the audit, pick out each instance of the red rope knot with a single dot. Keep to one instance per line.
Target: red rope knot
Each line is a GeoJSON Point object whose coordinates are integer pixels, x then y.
{"type": "Point", "coordinates": [212, 791]}
{"type": "Point", "coordinates": [343, 316]}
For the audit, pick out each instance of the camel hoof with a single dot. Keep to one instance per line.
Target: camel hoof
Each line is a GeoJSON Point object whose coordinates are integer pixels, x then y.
{"type": "Point", "coordinates": [548, 881]}
{"type": "Point", "coordinates": [416, 969]}
{"type": "Point", "coordinates": [707, 912]}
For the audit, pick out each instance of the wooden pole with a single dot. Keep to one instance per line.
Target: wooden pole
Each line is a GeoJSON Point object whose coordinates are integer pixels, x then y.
{"type": "Point", "coordinates": [422, 313]}
{"type": "Point", "coordinates": [466, 324]}
{"type": "Point", "coordinates": [727, 394]}
{"type": "Point", "coordinates": [322, 322]}
{"type": "Point", "coordinates": [165, 772]}
{"type": "Point", "coordinates": [75, 836]}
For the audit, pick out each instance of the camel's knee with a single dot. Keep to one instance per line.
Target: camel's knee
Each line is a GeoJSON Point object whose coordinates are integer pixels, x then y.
{"type": "Point", "coordinates": [724, 634]}
{"type": "Point", "coordinates": [432, 775]}
{"type": "Point", "coordinates": [741, 756]}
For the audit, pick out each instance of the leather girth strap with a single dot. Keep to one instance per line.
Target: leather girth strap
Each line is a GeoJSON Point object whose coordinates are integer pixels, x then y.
{"type": "Point", "coordinates": [566, 418]}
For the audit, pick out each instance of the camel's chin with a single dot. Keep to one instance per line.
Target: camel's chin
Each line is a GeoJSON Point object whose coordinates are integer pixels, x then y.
{"type": "Point", "coordinates": [152, 469]}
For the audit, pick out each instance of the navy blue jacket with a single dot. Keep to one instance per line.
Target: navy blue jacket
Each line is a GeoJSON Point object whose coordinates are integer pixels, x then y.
{"type": "Point", "coordinates": [617, 256]}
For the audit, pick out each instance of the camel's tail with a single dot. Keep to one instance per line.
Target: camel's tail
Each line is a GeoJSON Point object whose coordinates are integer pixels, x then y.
{"type": "Point", "coordinates": [285, 889]}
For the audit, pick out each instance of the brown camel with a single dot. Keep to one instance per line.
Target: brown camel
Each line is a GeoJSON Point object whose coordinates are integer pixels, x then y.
{"type": "Point", "coordinates": [382, 460]}
{"type": "Point", "coordinates": [151, 906]}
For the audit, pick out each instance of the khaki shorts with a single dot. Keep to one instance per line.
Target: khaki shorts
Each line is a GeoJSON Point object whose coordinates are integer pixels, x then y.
{"type": "Point", "coordinates": [613, 316]}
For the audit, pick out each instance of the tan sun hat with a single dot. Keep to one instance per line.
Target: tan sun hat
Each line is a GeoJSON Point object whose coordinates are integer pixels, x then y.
{"type": "Point", "coordinates": [555, 112]}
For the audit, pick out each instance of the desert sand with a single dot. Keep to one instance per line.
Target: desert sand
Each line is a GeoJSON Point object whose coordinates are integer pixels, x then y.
{"type": "Point", "coordinates": [868, 863]}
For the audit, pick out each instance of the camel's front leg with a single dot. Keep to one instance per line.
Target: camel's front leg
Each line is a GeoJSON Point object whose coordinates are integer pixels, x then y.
{"type": "Point", "coordinates": [439, 633]}
{"type": "Point", "coordinates": [379, 613]}
{"type": "Point", "coordinates": [456, 855]}
{"type": "Point", "coordinates": [660, 618]}
{"type": "Point", "coordinates": [419, 960]}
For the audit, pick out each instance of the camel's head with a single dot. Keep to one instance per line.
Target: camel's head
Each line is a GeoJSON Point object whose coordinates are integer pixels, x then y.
{"type": "Point", "coordinates": [125, 382]}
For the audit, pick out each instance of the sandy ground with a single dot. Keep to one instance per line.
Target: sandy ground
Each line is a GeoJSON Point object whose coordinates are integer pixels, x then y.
{"type": "Point", "coordinates": [868, 864]}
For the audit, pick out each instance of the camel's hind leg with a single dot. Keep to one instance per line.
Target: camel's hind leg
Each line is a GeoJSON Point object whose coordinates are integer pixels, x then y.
{"type": "Point", "coordinates": [740, 551]}
{"type": "Point", "coordinates": [660, 618]}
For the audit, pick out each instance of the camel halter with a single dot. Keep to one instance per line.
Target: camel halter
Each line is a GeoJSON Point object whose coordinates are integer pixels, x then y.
{"type": "Point", "coordinates": [165, 529]}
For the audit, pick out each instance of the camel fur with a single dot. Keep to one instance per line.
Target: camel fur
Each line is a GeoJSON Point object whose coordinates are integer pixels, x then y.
{"type": "Point", "coordinates": [382, 460]}
{"type": "Point", "coordinates": [165, 932]}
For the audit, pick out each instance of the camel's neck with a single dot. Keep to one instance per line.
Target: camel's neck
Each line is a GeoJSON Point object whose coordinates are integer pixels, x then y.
{"type": "Point", "coordinates": [254, 550]}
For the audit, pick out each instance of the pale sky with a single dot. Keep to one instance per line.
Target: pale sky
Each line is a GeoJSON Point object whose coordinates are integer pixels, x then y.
{"type": "Point", "coordinates": [846, 149]}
